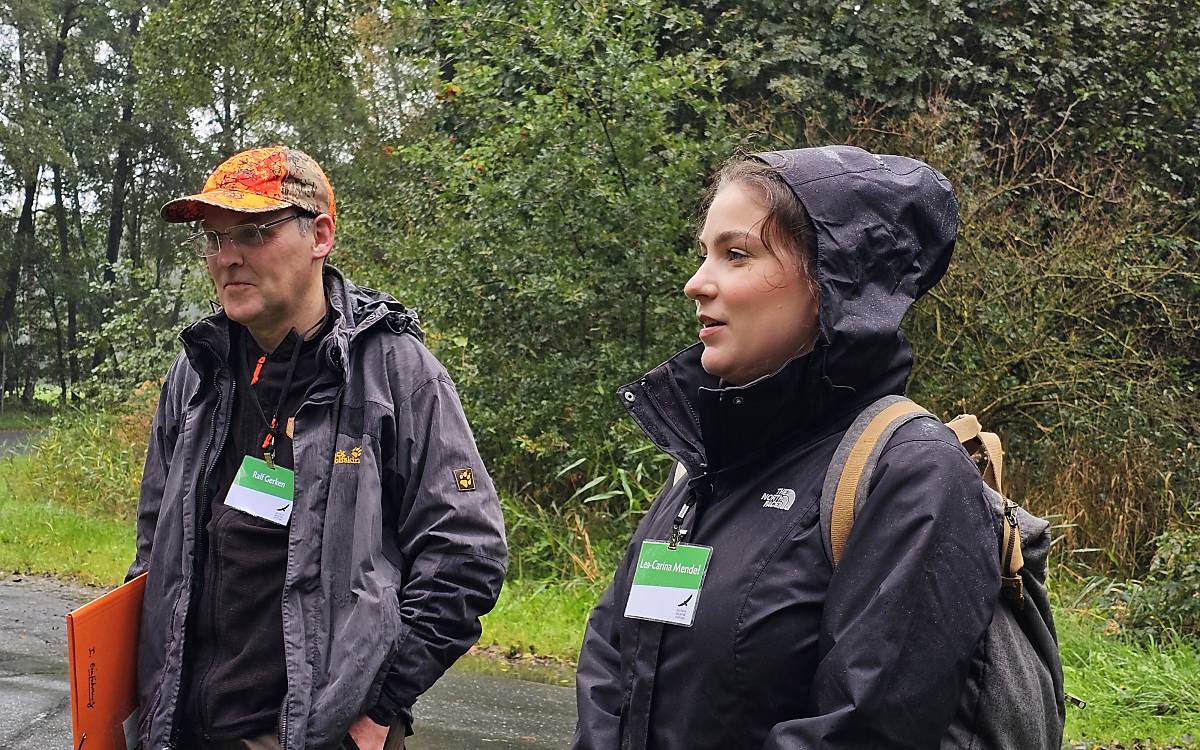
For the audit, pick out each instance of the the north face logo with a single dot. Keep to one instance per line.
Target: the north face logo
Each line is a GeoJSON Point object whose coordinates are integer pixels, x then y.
{"type": "Point", "coordinates": [782, 498]}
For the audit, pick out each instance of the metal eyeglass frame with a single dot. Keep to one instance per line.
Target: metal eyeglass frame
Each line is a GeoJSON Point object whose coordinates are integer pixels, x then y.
{"type": "Point", "coordinates": [235, 234]}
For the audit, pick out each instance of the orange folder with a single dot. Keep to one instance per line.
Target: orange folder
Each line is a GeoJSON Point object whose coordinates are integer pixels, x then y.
{"type": "Point", "coordinates": [102, 638]}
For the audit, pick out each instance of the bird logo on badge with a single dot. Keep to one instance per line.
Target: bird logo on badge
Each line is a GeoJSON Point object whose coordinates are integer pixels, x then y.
{"type": "Point", "coordinates": [464, 479]}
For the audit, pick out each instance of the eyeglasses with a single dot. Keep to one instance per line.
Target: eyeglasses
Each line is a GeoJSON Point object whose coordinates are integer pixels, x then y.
{"type": "Point", "coordinates": [207, 243]}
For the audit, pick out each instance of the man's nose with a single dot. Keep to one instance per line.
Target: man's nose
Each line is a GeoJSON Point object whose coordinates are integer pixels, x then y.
{"type": "Point", "coordinates": [229, 253]}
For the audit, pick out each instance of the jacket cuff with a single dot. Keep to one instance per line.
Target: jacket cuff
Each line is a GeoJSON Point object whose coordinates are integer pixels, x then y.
{"type": "Point", "coordinates": [387, 713]}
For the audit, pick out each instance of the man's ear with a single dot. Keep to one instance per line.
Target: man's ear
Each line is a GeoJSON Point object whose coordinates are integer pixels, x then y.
{"type": "Point", "coordinates": [323, 231]}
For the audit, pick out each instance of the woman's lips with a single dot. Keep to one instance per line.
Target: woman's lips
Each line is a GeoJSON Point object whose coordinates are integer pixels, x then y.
{"type": "Point", "coordinates": [711, 329]}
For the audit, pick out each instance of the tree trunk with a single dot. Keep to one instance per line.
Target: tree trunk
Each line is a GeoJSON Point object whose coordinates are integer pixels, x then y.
{"type": "Point", "coordinates": [121, 168]}
{"type": "Point", "coordinates": [133, 224]}
{"type": "Point", "coordinates": [116, 217]}
{"type": "Point", "coordinates": [69, 286]}
{"type": "Point", "coordinates": [55, 60]}
{"type": "Point", "coordinates": [77, 298]}
{"type": "Point", "coordinates": [33, 332]}
{"type": "Point", "coordinates": [59, 348]}
{"type": "Point", "coordinates": [22, 241]}
{"type": "Point", "coordinates": [69, 289]}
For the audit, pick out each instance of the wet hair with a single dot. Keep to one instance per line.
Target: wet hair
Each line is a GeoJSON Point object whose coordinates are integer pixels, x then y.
{"type": "Point", "coordinates": [787, 227]}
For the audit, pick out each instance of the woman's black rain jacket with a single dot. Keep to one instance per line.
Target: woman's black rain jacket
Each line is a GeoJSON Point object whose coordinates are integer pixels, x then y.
{"type": "Point", "coordinates": [786, 652]}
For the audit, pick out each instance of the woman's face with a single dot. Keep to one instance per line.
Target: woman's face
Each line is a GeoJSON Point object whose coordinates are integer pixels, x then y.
{"type": "Point", "coordinates": [756, 310]}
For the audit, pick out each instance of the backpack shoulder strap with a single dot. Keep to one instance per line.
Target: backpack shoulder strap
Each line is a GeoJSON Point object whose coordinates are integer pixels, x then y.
{"type": "Point", "coordinates": [970, 433]}
{"type": "Point", "coordinates": [854, 461]}
{"type": "Point", "coordinates": [680, 472]}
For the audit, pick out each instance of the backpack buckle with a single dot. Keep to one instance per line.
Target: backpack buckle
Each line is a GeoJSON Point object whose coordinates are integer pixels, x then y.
{"type": "Point", "coordinates": [1013, 589]}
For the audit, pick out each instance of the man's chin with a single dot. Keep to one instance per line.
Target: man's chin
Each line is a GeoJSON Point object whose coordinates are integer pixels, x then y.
{"type": "Point", "coordinates": [239, 313]}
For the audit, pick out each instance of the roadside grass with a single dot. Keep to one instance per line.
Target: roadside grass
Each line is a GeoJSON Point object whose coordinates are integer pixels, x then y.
{"type": "Point", "coordinates": [44, 537]}
{"type": "Point", "coordinates": [540, 618]}
{"type": "Point", "coordinates": [17, 417]}
{"type": "Point", "coordinates": [1135, 691]}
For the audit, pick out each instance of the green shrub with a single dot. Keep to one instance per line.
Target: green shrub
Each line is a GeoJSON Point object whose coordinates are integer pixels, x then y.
{"type": "Point", "coordinates": [584, 534]}
{"type": "Point", "coordinates": [1167, 600]}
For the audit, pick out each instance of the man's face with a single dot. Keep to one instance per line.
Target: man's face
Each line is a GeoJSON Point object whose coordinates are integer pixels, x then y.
{"type": "Point", "coordinates": [264, 288]}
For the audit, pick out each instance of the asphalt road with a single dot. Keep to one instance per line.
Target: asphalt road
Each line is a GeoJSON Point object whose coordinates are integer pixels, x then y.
{"type": "Point", "coordinates": [15, 441]}
{"type": "Point", "coordinates": [464, 711]}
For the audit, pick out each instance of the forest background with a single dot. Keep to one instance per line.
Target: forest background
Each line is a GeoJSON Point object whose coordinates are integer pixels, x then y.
{"type": "Point", "coordinates": [527, 175]}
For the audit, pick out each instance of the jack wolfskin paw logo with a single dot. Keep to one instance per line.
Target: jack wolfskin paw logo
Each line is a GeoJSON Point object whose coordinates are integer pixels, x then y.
{"type": "Point", "coordinates": [464, 479]}
{"type": "Point", "coordinates": [353, 457]}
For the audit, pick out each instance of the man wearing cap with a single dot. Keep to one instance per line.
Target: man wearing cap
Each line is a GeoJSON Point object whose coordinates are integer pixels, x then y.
{"type": "Point", "coordinates": [320, 533]}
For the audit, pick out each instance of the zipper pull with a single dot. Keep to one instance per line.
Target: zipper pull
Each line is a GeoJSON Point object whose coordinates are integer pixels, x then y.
{"type": "Point", "coordinates": [676, 533]}
{"type": "Point", "coordinates": [1010, 512]}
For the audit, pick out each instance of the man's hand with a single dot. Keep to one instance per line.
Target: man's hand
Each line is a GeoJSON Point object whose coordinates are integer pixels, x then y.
{"type": "Point", "coordinates": [368, 735]}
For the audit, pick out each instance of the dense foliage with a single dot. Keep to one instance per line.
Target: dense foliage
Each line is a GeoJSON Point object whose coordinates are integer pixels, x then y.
{"type": "Point", "coordinates": [527, 175]}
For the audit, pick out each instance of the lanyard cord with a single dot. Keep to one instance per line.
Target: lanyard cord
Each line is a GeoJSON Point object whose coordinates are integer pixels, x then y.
{"type": "Point", "coordinates": [272, 436]}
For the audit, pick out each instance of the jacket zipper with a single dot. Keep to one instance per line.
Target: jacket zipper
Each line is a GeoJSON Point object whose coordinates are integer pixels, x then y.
{"type": "Point", "coordinates": [1011, 517]}
{"type": "Point", "coordinates": [203, 502]}
{"type": "Point", "coordinates": [1012, 588]}
{"type": "Point", "coordinates": [283, 736]}
{"type": "Point", "coordinates": [283, 710]}
{"type": "Point", "coordinates": [205, 509]}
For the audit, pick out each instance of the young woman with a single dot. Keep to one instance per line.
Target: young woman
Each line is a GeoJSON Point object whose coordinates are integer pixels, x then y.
{"type": "Point", "coordinates": [810, 258]}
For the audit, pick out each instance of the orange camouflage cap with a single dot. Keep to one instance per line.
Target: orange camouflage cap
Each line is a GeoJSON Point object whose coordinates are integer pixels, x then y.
{"type": "Point", "coordinates": [257, 180]}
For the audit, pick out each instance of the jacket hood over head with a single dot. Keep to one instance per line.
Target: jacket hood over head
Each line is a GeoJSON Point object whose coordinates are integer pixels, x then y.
{"type": "Point", "coordinates": [885, 229]}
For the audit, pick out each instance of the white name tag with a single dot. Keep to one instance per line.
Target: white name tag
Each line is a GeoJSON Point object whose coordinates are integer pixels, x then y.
{"type": "Point", "coordinates": [263, 491]}
{"type": "Point", "coordinates": [666, 582]}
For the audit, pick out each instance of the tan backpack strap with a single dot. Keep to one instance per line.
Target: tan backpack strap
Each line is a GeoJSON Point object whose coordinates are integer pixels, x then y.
{"type": "Point", "coordinates": [846, 496]}
{"type": "Point", "coordinates": [993, 473]}
{"type": "Point", "coordinates": [680, 473]}
{"type": "Point", "coordinates": [966, 427]}
{"type": "Point", "coordinates": [972, 436]}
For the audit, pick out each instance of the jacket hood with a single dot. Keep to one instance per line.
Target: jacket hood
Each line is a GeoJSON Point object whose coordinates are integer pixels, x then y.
{"type": "Point", "coordinates": [885, 228]}
{"type": "Point", "coordinates": [359, 307]}
{"type": "Point", "coordinates": [355, 309]}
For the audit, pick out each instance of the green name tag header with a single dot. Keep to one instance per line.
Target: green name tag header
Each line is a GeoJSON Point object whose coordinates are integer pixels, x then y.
{"type": "Point", "coordinates": [255, 474]}
{"type": "Point", "coordinates": [680, 568]}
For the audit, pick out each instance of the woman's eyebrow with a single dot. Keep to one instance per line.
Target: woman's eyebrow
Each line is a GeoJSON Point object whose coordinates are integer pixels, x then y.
{"type": "Point", "coordinates": [730, 235]}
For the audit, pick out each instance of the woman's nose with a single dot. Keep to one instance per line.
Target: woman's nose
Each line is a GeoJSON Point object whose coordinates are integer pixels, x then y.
{"type": "Point", "coordinates": [700, 285]}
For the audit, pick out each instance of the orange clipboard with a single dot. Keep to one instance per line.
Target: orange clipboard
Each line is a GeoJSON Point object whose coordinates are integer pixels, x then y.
{"type": "Point", "coordinates": [102, 638]}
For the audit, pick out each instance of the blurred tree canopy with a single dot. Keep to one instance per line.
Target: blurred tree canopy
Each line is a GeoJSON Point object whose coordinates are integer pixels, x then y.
{"type": "Point", "coordinates": [527, 175]}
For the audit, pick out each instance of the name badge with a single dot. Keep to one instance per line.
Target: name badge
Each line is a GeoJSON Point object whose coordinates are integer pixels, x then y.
{"type": "Point", "coordinates": [263, 491]}
{"type": "Point", "coordinates": [666, 583]}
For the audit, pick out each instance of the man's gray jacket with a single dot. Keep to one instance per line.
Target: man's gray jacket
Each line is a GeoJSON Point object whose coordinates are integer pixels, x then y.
{"type": "Point", "coordinates": [396, 541]}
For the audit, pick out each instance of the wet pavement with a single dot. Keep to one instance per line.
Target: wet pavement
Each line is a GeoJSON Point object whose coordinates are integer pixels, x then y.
{"type": "Point", "coordinates": [466, 710]}
{"type": "Point", "coordinates": [16, 441]}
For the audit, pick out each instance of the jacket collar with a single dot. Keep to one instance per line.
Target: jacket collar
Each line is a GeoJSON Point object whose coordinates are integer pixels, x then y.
{"type": "Point", "coordinates": [708, 426]}
{"type": "Point", "coordinates": [355, 310]}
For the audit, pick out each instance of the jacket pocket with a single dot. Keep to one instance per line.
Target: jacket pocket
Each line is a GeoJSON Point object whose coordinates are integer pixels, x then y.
{"type": "Point", "coordinates": [353, 518]}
